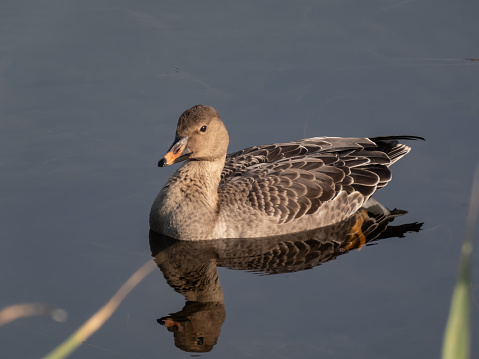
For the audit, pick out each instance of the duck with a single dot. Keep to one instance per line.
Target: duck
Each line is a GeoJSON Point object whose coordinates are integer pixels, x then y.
{"type": "Point", "coordinates": [265, 190]}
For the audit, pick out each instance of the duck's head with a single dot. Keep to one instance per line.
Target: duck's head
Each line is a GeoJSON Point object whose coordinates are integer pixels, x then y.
{"type": "Point", "coordinates": [200, 136]}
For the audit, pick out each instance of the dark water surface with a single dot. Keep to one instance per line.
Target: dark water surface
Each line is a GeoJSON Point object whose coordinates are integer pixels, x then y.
{"type": "Point", "coordinates": [90, 92]}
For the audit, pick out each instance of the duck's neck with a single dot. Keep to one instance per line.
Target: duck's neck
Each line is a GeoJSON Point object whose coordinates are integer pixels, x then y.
{"type": "Point", "coordinates": [187, 205]}
{"type": "Point", "coordinates": [199, 180]}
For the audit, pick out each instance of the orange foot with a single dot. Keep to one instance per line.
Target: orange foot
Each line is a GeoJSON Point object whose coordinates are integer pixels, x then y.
{"type": "Point", "coordinates": [357, 232]}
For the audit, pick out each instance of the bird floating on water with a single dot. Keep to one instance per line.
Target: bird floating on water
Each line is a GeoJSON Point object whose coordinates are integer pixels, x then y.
{"type": "Point", "coordinates": [265, 190]}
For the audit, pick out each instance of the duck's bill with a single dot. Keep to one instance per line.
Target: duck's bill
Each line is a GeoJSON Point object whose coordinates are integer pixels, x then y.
{"type": "Point", "coordinates": [178, 152]}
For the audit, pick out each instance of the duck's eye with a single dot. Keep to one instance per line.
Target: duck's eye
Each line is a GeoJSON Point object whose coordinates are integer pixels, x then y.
{"type": "Point", "coordinates": [203, 129]}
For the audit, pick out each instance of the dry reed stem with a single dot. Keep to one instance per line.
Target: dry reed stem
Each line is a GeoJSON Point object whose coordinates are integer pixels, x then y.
{"type": "Point", "coordinates": [14, 312]}
{"type": "Point", "coordinates": [102, 315]}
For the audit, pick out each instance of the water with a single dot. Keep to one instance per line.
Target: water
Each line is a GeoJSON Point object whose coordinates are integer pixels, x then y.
{"type": "Point", "coordinates": [89, 97]}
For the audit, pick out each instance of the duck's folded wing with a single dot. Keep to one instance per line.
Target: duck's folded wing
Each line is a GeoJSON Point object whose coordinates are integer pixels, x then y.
{"type": "Point", "coordinates": [240, 162]}
{"type": "Point", "coordinates": [288, 181]}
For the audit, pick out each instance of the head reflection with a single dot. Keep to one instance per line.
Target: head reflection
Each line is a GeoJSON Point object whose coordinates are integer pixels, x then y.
{"type": "Point", "coordinates": [190, 267]}
{"type": "Point", "coordinates": [197, 326]}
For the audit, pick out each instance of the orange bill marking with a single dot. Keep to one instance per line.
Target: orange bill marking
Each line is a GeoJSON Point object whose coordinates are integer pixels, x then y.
{"type": "Point", "coordinates": [169, 322]}
{"type": "Point", "coordinates": [175, 152]}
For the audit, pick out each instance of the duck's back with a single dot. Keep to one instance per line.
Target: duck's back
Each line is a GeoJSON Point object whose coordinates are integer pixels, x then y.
{"type": "Point", "coordinates": [301, 185]}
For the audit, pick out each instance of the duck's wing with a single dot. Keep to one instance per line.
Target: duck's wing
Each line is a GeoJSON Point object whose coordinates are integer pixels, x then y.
{"type": "Point", "coordinates": [290, 180]}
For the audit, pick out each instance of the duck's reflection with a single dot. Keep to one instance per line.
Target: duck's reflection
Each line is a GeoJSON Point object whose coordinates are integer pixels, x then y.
{"type": "Point", "coordinates": [190, 267]}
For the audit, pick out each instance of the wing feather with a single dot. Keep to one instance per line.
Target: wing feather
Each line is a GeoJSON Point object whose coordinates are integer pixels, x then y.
{"type": "Point", "coordinates": [291, 180]}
